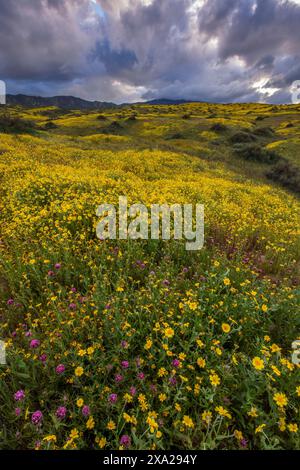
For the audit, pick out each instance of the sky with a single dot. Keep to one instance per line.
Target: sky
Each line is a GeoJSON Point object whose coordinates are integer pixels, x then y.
{"type": "Point", "coordinates": [136, 50]}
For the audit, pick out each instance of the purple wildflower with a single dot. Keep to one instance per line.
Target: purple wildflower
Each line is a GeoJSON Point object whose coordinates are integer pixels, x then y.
{"type": "Point", "coordinates": [19, 395]}
{"type": "Point", "coordinates": [60, 369]}
{"type": "Point", "coordinates": [113, 397]}
{"type": "Point", "coordinates": [61, 412]}
{"type": "Point", "coordinates": [34, 343]}
{"type": "Point", "coordinates": [244, 442]}
{"type": "Point", "coordinates": [86, 411]}
{"type": "Point", "coordinates": [43, 358]}
{"type": "Point", "coordinates": [37, 417]}
{"type": "Point", "coordinates": [125, 441]}
{"type": "Point", "coordinates": [173, 380]}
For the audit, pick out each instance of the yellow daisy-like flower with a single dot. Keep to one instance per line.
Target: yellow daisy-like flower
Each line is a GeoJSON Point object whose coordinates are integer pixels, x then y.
{"type": "Point", "coordinates": [276, 371]}
{"type": "Point", "coordinates": [206, 417]}
{"type": "Point", "coordinates": [227, 281]}
{"type": "Point", "coordinates": [169, 332]}
{"type": "Point", "coordinates": [50, 438]}
{"type": "Point", "coordinates": [280, 399]}
{"type": "Point", "coordinates": [102, 442]}
{"type": "Point", "coordinates": [188, 422]}
{"type": "Point", "coordinates": [293, 427]}
{"type": "Point", "coordinates": [226, 328]}
{"type": "Point", "coordinates": [260, 428]}
{"type": "Point", "coordinates": [223, 412]}
{"type": "Point", "coordinates": [90, 423]}
{"type": "Point", "coordinates": [264, 308]}
{"type": "Point", "coordinates": [79, 402]}
{"type": "Point", "coordinates": [215, 380]}
{"type": "Point", "coordinates": [162, 372]}
{"type": "Point", "coordinates": [74, 434]}
{"type": "Point", "coordinates": [282, 424]}
{"type": "Point", "coordinates": [201, 362]}
{"type": "Point", "coordinates": [127, 417]}
{"type": "Point", "coordinates": [78, 371]}
{"type": "Point", "coordinates": [111, 425]}
{"type": "Point", "coordinates": [128, 398]}
{"type": "Point", "coordinates": [238, 435]}
{"type": "Point", "coordinates": [253, 412]}
{"type": "Point", "coordinates": [275, 348]}
{"type": "Point", "coordinates": [298, 390]}
{"type": "Point", "coordinates": [162, 397]}
{"type": "Point", "coordinates": [258, 363]}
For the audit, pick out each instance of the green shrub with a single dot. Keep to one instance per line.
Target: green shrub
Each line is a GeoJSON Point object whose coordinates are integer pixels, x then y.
{"type": "Point", "coordinates": [13, 124]}
{"type": "Point", "coordinates": [113, 128]}
{"type": "Point", "coordinates": [286, 174]}
{"type": "Point", "coordinates": [255, 152]}
{"type": "Point", "coordinates": [50, 125]}
{"type": "Point", "coordinates": [264, 132]}
{"type": "Point", "coordinates": [242, 137]}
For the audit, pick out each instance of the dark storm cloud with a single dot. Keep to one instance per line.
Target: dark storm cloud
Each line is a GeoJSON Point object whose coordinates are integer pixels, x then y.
{"type": "Point", "coordinates": [252, 28]}
{"type": "Point", "coordinates": [212, 50]}
{"type": "Point", "coordinates": [114, 60]}
{"type": "Point", "coordinates": [42, 39]}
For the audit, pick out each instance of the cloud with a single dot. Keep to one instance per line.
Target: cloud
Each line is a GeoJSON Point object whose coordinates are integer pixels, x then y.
{"type": "Point", "coordinates": [44, 39]}
{"type": "Point", "coordinates": [127, 50]}
{"type": "Point", "coordinates": [252, 28]}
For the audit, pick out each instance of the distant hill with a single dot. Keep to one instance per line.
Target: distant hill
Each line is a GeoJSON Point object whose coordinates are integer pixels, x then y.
{"type": "Point", "coordinates": [165, 101]}
{"type": "Point", "coordinates": [65, 102]}
{"type": "Point", "coordinates": [71, 102]}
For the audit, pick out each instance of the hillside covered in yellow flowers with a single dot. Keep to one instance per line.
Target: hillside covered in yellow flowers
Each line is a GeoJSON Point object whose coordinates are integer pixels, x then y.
{"type": "Point", "coordinates": [141, 344]}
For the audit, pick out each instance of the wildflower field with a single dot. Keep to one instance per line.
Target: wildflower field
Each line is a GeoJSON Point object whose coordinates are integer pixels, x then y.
{"type": "Point", "coordinates": [142, 344]}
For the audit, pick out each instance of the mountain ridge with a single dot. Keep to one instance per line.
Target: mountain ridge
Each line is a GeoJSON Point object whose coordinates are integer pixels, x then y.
{"type": "Point", "coordinates": [72, 102]}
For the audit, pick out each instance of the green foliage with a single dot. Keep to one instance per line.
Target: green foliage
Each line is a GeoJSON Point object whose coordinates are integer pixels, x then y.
{"type": "Point", "coordinates": [287, 175]}
{"type": "Point", "coordinates": [14, 124]}
{"type": "Point", "coordinates": [254, 152]}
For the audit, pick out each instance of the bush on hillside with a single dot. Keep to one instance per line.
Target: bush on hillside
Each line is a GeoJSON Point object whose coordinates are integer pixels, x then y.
{"type": "Point", "coordinates": [255, 152]}
{"type": "Point", "coordinates": [13, 124]}
{"type": "Point", "coordinates": [287, 175]}
{"type": "Point", "coordinates": [264, 132]}
{"type": "Point", "coordinates": [242, 137]}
